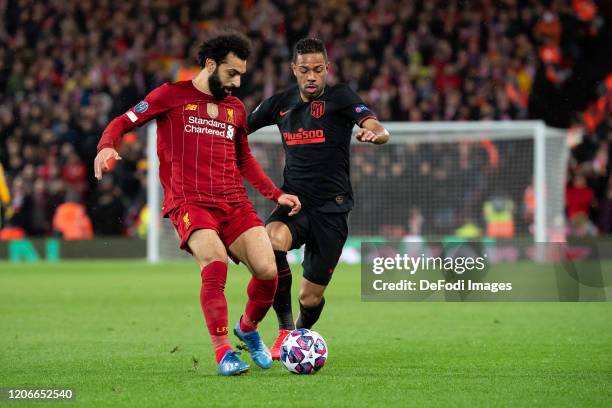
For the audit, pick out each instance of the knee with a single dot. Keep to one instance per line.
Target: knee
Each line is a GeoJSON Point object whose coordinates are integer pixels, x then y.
{"type": "Point", "coordinates": [266, 271]}
{"type": "Point", "coordinates": [206, 249]}
{"type": "Point", "coordinates": [210, 257]}
{"type": "Point", "coordinates": [309, 299]}
{"type": "Point", "coordinates": [279, 237]}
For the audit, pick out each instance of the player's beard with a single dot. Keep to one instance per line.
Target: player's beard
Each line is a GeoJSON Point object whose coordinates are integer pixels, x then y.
{"type": "Point", "coordinates": [216, 87]}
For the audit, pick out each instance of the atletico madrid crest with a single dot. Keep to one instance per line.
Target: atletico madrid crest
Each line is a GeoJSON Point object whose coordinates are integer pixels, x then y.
{"type": "Point", "coordinates": [317, 109]}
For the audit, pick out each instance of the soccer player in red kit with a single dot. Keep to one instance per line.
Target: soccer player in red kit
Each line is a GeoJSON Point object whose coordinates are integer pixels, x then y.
{"type": "Point", "coordinates": [204, 153]}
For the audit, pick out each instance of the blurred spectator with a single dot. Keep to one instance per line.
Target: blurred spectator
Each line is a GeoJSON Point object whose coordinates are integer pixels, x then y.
{"type": "Point", "coordinates": [21, 205]}
{"type": "Point", "coordinates": [469, 230]}
{"type": "Point", "coordinates": [605, 211]}
{"type": "Point", "coordinates": [578, 200]}
{"type": "Point", "coordinates": [143, 222]}
{"type": "Point", "coordinates": [71, 220]}
{"type": "Point", "coordinates": [107, 210]}
{"type": "Point", "coordinates": [40, 213]}
{"type": "Point", "coordinates": [499, 217]}
{"type": "Point", "coordinates": [73, 170]}
{"type": "Point", "coordinates": [5, 196]}
{"type": "Point", "coordinates": [415, 223]}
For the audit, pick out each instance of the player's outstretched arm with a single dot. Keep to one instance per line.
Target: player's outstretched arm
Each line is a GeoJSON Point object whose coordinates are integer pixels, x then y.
{"type": "Point", "coordinates": [372, 131]}
{"type": "Point", "coordinates": [156, 102]}
{"type": "Point", "coordinates": [254, 174]}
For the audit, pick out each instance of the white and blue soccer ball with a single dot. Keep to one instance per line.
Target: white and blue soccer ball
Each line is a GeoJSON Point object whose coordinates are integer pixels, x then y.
{"type": "Point", "coordinates": [303, 351]}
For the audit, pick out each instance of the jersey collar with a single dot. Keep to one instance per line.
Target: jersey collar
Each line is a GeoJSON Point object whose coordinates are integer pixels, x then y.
{"type": "Point", "coordinates": [298, 98]}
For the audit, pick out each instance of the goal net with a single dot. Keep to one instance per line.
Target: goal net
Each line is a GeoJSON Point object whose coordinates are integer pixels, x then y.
{"type": "Point", "coordinates": [499, 180]}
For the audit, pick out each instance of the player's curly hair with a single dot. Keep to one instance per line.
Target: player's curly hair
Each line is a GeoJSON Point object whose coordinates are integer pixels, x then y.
{"type": "Point", "coordinates": [217, 48]}
{"type": "Point", "coordinates": [309, 46]}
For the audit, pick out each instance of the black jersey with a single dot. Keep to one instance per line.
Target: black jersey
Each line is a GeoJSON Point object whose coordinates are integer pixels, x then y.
{"type": "Point", "coordinates": [316, 137]}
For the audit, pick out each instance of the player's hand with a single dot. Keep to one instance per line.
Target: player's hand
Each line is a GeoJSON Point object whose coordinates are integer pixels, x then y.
{"type": "Point", "coordinates": [367, 136]}
{"type": "Point", "coordinates": [292, 201]}
{"type": "Point", "coordinates": [101, 161]}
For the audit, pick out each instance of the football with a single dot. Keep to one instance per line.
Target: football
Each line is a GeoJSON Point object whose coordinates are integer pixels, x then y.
{"type": "Point", "coordinates": [303, 352]}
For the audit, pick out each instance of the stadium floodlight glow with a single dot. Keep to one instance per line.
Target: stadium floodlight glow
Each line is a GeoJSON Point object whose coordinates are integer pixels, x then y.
{"type": "Point", "coordinates": [419, 171]}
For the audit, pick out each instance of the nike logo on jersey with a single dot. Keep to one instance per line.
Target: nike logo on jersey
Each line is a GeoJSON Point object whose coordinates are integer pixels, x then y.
{"type": "Point", "coordinates": [283, 113]}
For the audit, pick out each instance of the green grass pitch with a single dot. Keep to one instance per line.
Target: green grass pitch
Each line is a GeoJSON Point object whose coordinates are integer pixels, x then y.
{"type": "Point", "coordinates": [125, 334]}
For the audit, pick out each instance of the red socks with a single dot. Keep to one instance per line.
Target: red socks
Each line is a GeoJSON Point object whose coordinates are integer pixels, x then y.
{"type": "Point", "coordinates": [221, 346]}
{"type": "Point", "coordinates": [212, 299]}
{"type": "Point", "coordinates": [261, 295]}
{"type": "Point", "coordinates": [214, 305]}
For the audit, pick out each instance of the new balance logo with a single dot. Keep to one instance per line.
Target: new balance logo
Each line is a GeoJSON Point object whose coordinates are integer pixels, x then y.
{"type": "Point", "coordinates": [191, 107]}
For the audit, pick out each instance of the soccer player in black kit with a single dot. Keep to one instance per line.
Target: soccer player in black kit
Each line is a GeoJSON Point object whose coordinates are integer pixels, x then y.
{"type": "Point", "coordinates": [316, 123]}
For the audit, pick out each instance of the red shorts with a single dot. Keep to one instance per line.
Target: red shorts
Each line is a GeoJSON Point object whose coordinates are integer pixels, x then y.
{"type": "Point", "coordinates": [229, 220]}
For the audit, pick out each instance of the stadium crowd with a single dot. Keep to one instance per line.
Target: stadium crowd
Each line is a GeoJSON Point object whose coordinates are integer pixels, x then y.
{"type": "Point", "coordinates": [67, 67]}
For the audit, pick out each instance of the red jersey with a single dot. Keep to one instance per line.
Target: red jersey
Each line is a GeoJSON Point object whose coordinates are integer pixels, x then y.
{"type": "Point", "coordinates": [201, 144]}
{"type": "Point", "coordinates": [578, 200]}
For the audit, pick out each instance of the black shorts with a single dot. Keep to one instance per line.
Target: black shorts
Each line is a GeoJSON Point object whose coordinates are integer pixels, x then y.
{"type": "Point", "coordinates": [323, 233]}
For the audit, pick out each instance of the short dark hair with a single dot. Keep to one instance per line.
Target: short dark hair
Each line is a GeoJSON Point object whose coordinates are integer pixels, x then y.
{"type": "Point", "coordinates": [217, 48]}
{"type": "Point", "coordinates": [309, 46]}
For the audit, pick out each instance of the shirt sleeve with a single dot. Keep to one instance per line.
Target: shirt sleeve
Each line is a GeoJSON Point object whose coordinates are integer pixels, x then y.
{"type": "Point", "coordinates": [251, 170]}
{"type": "Point", "coordinates": [353, 107]}
{"type": "Point", "coordinates": [154, 104]}
{"type": "Point", "coordinates": [262, 115]}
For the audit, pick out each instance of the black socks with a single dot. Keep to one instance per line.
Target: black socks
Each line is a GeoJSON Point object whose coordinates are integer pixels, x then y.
{"type": "Point", "coordinates": [282, 299]}
{"type": "Point", "coordinates": [309, 315]}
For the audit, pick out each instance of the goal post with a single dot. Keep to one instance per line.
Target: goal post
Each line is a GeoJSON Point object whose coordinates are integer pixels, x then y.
{"type": "Point", "coordinates": [154, 195]}
{"type": "Point", "coordinates": [432, 179]}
